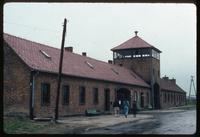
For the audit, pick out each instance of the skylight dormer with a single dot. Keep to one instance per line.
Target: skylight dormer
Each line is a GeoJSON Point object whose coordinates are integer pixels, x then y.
{"type": "Point", "coordinates": [89, 64]}
{"type": "Point", "coordinates": [45, 54]}
{"type": "Point", "coordinates": [114, 71]}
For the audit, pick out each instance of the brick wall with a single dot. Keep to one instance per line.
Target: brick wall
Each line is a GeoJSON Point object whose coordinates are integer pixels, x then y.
{"type": "Point", "coordinates": [17, 90]}
{"type": "Point", "coordinates": [175, 99]}
{"type": "Point", "coordinates": [74, 107]}
{"type": "Point", "coordinates": [141, 66]}
{"type": "Point", "coordinates": [16, 78]}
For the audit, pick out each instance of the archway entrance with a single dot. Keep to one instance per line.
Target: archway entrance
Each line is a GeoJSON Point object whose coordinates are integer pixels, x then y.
{"type": "Point", "coordinates": [123, 94]}
{"type": "Point", "coordinates": [156, 96]}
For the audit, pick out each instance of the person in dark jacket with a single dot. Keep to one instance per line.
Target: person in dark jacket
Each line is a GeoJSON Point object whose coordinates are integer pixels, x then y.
{"type": "Point", "coordinates": [134, 108]}
{"type": "Point", "coordinates": [116, 107]}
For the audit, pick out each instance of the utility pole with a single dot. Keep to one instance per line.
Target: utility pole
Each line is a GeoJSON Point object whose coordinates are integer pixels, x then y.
{"type": "Point", "coordinates": [60, 70]}
{"type": "Point", "coordinates": [192, 82]}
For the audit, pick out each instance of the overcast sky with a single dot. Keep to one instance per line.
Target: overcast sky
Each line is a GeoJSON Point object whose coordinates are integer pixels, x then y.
{"type": "Point", "coordinates": [96, 28]}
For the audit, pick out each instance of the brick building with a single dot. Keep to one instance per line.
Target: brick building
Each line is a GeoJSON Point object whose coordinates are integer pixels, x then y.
{"type": "Point", "coordinates": [31, 74]}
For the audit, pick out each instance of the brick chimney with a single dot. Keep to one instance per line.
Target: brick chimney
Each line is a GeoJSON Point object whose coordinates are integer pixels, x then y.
{"type": "Point", "coordinates": [173, 80]}
{"type": "Point", "coordinates": [110, 61]}
{"type": "Point", "coordinates": [84, 54]}
{"type": "Point", "coordinates": [69, 49]}
{"type": "Point", "coordinates": [165, 78]}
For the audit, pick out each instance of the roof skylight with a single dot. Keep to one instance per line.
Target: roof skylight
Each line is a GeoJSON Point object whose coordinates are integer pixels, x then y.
{"type": "Point", "coordinates": [133, 75]}
{"type": "Point", "coordinates": [114, 71]}
{"type": "Point", "coordinates": [45, 54]}
{"type": "Point", "coordinates": [89, 64]}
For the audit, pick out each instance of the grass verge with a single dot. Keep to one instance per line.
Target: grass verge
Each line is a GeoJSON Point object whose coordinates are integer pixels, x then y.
{"type": "Point", "coordinates": [19, 125]}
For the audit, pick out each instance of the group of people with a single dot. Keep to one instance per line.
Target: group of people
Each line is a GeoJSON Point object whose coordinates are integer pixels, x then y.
{"type": "Point", "coordinates": [124, 106]}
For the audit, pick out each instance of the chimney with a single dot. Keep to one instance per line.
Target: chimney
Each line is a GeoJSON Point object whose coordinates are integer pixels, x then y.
{"type": "Point", "coordinates": [136, 33]}
{"type": "Point", "coordinates": [166, 78]}
{"type": "Point", "coordinates": [84, 54]}
{"type": "Point", "coordinates": [110, 61]}
{"type": "Point", "coordinates": [69, 49]}
{"type": "Point", "coordinates": [173, 80]}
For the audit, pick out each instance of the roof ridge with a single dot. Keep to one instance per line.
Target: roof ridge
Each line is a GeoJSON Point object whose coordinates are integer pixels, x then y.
{"type": "Point", "coordinates": [53, 47]}
{"type": "Point", "coordinates": [30, 41]}
{"type": "Point", "coordinates": [49, 67]}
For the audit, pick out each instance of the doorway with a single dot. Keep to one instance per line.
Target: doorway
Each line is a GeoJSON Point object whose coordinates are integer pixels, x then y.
{"type": "Point", "coordinates": [156, 96]}
{"type": "Point", "coordinates": [123, 94]}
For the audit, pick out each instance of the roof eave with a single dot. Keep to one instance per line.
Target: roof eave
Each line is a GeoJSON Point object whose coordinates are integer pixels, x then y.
{"type": "Point", "coordinates": [45, 71]}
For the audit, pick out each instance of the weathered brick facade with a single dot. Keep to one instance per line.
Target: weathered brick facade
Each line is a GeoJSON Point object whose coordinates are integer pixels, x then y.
{"type": "Point", "coordinates": [172, 99]}
{"type": "Point", "coordinates": [17, 89]}
{"type": "Point", "coordinates": [16, 84]}
{"type": "Point", "coordinates": [74, 107]}
{"type": "Point", "coordinates": [23, 79]}
{"type": "Point", "coordinates": [142, 66]}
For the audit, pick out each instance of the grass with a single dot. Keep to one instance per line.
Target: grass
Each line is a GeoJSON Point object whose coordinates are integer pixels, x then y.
{"type": "Point", "coordinates": [17, 125]}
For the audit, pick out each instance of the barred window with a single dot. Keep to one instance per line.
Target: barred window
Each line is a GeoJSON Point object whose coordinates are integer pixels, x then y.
{"type": "Point", "coordinates": [65, 95]}
{"type": "Point", "coordinates": [81, 95]}
{"type": "Point", "coordinates": [45, 94]}
{"type": "Point", "coordinates": [165, 97]}
{"type": "Point", "coordinates": [95, 96]}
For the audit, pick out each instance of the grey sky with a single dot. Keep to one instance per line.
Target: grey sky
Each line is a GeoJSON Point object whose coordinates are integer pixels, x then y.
{"type": "Point", "coordinates": [96, 28]}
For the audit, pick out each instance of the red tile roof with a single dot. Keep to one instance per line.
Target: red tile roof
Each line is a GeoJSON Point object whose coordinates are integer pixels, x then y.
{"type": "Point", "coordinates": [73, 64]}
{"type": "Point", "coordinates": [133, 43]}
{"type": "Point", "coordinates": [170, 86]}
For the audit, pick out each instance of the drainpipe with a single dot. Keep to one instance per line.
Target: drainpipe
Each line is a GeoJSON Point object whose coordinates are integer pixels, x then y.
{"type": "Point", "coordinates": [32, 95]}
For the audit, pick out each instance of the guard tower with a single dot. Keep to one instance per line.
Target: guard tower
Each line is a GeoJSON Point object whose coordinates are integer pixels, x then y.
{"type": "Point", "coordinates": [144, 59]}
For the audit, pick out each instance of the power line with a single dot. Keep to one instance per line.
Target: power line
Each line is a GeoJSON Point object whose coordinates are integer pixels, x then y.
{"type": "Point", "coordinates": [33, 27]}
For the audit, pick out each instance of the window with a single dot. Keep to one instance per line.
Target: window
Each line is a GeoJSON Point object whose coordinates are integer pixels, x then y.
{"type": "Point", "coordinates": [168, 97]}
{"type": "Point", "coordinates": [147, 98]}
{"type": "Point", "coordinates": [89, 64]}
{"type": "Point", "coordinates": [45, 54]}
{"type": "Point", "coordinates": [65, 95]}
{"type": "Point", "coordinates": [45, 95]}
{"type": "Point", "coordinates": [114, 71]}
{"type": "Point", "coordinates": [81, 95]}
{"type": "Point", "coordinates": [171, 98]}
{"type": "Point", "coordinates": [165, 99]}
{"type": "Point", "coordinates": [95, 96]}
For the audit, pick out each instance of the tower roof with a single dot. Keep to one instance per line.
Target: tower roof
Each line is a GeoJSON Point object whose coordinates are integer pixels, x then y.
{"type": "Point", "coordinates": [134, 43]}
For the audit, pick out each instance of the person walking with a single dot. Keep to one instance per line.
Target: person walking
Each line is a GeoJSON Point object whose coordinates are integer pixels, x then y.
{"type": "Point", "coordinates": [126, 107]}
{"type": "Point", "coordinates": [134, 108]}
{"type": "Point", "coordinates": [116, 107]}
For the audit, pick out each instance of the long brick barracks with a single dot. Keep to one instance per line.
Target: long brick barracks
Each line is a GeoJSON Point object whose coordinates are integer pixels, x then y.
{"type": "Point", "coordinates": [31, 75]}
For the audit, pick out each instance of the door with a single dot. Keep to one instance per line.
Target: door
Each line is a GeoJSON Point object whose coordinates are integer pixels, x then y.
{"type": "Point", "coordinates": [107, 99]}
{"type": "Point", "coordinates": [156, 96]}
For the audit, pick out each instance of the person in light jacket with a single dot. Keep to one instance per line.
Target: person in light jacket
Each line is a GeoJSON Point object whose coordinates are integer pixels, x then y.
{"type": "Point", "coordinates": [116, 107]}
{"type": "Point", "coordinates": [125, 107]}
